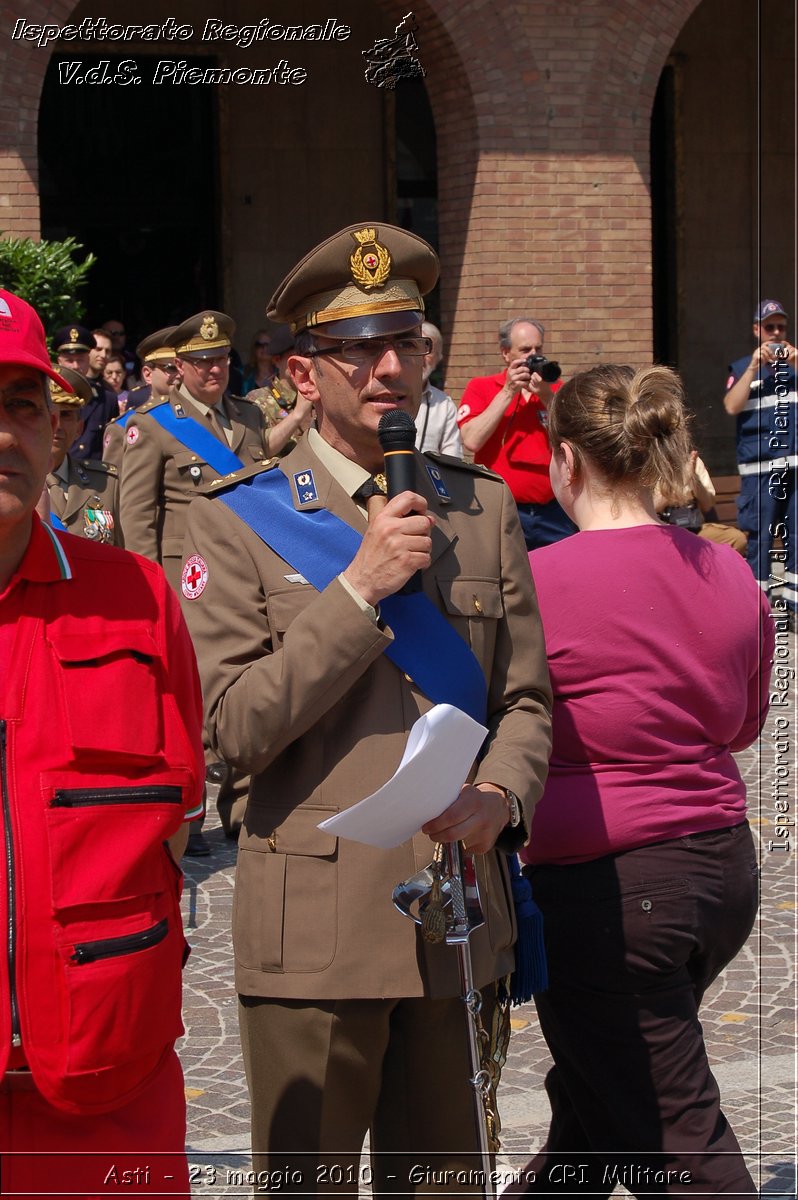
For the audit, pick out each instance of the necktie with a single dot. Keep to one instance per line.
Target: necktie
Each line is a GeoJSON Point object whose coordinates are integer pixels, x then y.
{"type": "Point", "coordinates": [218, 426]}
{"type": "Point", "coordinates": [373, 491]}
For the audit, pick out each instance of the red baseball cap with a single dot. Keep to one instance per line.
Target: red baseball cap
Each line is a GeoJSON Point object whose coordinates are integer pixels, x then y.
{"type": "Point", "coordinates": [22, 338]}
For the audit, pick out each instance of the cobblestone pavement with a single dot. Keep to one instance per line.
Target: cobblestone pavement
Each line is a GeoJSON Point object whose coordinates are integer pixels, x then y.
{"type": "Point", "coordinates": [749, 1017]}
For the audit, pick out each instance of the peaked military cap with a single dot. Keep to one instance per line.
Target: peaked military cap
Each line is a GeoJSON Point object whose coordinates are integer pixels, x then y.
{"type": "Point", "coordinates": [365, 281]}
{"type": "Point", "coordinates": [158, 347]}
{"type": "Point", "coordinates": [73, 337]}
{"type": "Point", "coordinates": [204, 335]}
{"type": "Point", "coordinates": [81, 390]}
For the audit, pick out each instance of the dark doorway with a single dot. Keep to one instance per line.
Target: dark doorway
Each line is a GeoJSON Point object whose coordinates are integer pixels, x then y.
{"type": "Point", "coordinates": [417, 170]}
{"type": "Point", "coordinates": [664, 221]}
{"type": "Point", "coordinates": [132, 172]}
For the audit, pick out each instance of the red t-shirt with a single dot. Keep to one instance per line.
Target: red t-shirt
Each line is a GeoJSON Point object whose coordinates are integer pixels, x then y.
{"type": "Point", "coordinates": [518, 449]}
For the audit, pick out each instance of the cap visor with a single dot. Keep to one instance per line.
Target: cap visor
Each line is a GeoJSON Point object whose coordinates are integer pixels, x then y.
{"type": "Point", "coordinates": [371, 325]}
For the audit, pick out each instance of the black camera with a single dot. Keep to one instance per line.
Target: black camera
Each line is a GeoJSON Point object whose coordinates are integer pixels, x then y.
{"type": "Point", "coordinates": [548, 371]}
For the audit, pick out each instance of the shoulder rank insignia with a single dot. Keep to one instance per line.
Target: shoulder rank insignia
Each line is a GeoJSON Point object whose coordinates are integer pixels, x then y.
{"type": "Point", "coordinates": [460, 464]}
{"type": "Point", "coordinates": [225, 481]}
{"type": "Point", "coordinates": [305, 486]}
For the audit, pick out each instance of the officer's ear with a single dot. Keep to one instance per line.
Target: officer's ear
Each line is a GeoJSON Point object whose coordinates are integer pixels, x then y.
{"type": "Point", "coordinates": [303, 373]}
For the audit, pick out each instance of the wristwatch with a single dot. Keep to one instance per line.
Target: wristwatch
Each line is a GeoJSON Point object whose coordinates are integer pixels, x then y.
{"type": "Point", "coordinates": [514, 805]}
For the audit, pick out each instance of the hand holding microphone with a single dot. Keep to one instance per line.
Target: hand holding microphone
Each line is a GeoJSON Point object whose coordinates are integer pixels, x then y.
{"type": "Point", "coordinates": [397, 545]}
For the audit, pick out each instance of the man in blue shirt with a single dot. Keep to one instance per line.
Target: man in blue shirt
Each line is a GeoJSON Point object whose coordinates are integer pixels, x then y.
{"type": "Point", "coordinates": [761, 393]}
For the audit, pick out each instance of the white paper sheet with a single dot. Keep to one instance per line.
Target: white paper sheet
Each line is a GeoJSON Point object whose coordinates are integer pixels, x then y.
{"type": "Point", "coordinates": [440, 749]}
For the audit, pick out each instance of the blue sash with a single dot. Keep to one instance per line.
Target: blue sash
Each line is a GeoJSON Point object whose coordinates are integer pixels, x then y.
{"type": "Point", "coordinates": [320, 545]}
{"type": "Point", "coordinates": [57, 523]}
{"type": "Point", "coordinates": [195, 437]}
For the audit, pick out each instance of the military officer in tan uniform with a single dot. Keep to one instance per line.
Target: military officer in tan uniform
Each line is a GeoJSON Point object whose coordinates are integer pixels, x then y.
{"type": "Point", "coordinates": [83, 495]}
{"type": "Point", "coordinates": [174, 447]}
{"type": "Point", "coordinates": [350, 1020]}
{"type": "Point", "coordinates": [159, 373]}
{"type": "Point", "coordinates": [165, 465]}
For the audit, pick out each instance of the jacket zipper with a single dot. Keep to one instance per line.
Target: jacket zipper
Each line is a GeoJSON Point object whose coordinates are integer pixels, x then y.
{"type": "Point", "coordinates": [11, 938]}
{"type": "Point", "coordinates": [129, 943]}
{"type": "Point", "coordinates": [83, 797]}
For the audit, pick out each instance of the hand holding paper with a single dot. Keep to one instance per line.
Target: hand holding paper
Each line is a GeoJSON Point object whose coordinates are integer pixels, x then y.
{"type": "Point", "coordinates": [440, 749]}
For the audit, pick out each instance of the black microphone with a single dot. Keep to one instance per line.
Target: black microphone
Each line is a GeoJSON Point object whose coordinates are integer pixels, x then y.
{"type": "Point", "coordinates": [397, 434]}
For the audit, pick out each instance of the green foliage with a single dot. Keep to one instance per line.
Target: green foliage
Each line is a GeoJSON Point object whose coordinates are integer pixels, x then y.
{"type": "Point", "coordinates": [46, 275]}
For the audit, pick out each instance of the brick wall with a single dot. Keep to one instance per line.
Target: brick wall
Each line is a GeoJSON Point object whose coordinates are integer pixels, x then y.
{"type": "Point", "coordinates": [542, 114]}
{"type": "Point", "coordinates": [22, 69]}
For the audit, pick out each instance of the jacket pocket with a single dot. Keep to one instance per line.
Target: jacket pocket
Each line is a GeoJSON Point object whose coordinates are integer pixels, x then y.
{"type": "Point", "coordinates": [283, 606]}
{"type": "Point", "coordinates": [285, 909]}
{"type": "Point", "coordinates": [123, 993]}
{"type": "Point", "coordinates": [119, 668]}
{"type": "Point", "coordinates": [475, 607]}
{"type": "Point", "coordinates": [107, 843]}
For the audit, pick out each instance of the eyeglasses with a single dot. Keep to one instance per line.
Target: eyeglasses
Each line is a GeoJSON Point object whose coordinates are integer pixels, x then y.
{"type": "Point", "coordinates": [169, 368]}
{"type": "Point", "coordinates": [207, 364]}
{"type": "Point", "coordinates": [776, 327]}
{"type": "Point", "coordinates": [371, 350]}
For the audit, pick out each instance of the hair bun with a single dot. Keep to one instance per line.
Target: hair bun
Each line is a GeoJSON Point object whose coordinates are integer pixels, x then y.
{"type": "Point", "coordinates": [655, 409]}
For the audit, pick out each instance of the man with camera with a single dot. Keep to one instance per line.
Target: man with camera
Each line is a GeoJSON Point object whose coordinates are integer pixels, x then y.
{"type": "Point", "coordinates": [502, 420]}
{"type": "Point", "coordinates": [761, 393]}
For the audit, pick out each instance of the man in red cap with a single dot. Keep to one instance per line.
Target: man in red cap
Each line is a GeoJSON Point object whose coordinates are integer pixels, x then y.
{"type": "Point", "coordinates": [92, 819]}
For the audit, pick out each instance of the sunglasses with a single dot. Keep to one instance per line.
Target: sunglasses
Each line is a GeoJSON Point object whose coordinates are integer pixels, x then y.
{"type": "Point", "coordinates": [776, 327]}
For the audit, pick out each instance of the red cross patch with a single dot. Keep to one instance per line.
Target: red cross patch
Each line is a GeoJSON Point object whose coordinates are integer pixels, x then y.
{"type": "Point", "coordinates": [371, 261]}
{"type": "Point", "coordinates": [132, 435]}
{"type": "Point", "coordinates": [194, 577]}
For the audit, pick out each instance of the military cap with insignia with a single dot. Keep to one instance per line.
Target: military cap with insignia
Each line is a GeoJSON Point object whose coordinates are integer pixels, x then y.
{"type": "Point", "coordinates": [204, 335]}
{"type": "Point", "coordinates": [158, 347]}
{"type": "Point", "coordinates": [81, 390]}
{"type": "Point", "coordinates": [365, 281]}
{"type": "Point", "coordinates": [73, 337]}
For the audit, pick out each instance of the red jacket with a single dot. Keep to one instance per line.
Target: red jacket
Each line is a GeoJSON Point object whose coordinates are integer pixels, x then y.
{"type": "Point", "coordinates": [100, 761]}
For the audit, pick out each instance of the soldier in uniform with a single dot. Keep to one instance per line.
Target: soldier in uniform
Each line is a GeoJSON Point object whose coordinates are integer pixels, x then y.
{"type": "Point", "coordinates": [158, 372]}
{"type": "Point", "coordinates": [287, 414]}
{"type": "Point", "coordinates": [175, 446]}
{"type": "Point", "coordinates": [350, 1020]}
{"type": "Point", "coordinates": [71, 346]}
{"type": "Point", "coordinates": [83, 495]}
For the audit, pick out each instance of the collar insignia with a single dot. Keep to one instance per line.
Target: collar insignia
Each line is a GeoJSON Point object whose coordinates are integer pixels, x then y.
{"type": "Point", "coordinates": [437, 482]}
{"type": "Point", "coordinates": [305, 486]}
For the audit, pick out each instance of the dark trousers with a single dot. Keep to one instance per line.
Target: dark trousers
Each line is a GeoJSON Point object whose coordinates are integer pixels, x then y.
{"type": "Point", "coordinates": [767, 507]}
{"type": "Point", "coordinates": [322, 1074]}
{"type": "Point", "coordinates": [633, 941]}
{"type": "Point", "coordinates": [544, 524]}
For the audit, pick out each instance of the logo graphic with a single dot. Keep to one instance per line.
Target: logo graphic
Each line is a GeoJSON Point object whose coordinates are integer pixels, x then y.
{"type": "Point", "coordinates": [370, 264]}
{"type": "Point", "coordinates": [194, 578]}
{"type": "Point", "coordinates": [393, 59]}
{"type": "Point", "coordinates": [132, 435]}
{"type": "Point", "coordinates": [209, 330]}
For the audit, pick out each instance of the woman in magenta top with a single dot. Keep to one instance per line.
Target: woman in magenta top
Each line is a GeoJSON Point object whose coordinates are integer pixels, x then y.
{"type": "Point", "coordinates": [659, 646]}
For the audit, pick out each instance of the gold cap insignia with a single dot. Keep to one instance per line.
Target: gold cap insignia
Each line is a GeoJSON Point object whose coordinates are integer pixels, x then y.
{"type": "Point", "coordinates": [74, 335]}
{"type": "Point", "coordinates": [209, 330]}
{"type": "Point", "coordinates": [370, 264]}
